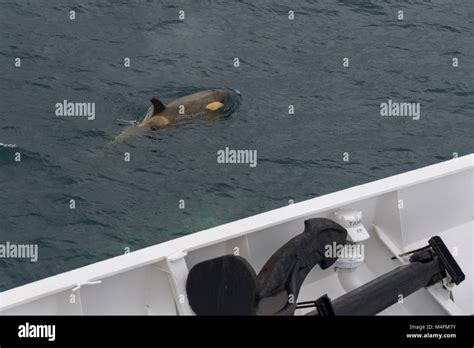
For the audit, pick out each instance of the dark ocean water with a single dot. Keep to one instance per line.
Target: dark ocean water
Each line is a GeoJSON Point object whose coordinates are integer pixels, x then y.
{"type": "Point", "coordinates": [135, 204]}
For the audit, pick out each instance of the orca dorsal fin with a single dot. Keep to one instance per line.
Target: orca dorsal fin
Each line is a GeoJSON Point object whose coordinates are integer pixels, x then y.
{"type": "Point", "coordinates": [158, 106]}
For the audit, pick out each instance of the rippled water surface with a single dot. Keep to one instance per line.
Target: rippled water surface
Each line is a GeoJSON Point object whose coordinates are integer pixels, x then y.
{"type": "Point", "coordinates": [135, 204]}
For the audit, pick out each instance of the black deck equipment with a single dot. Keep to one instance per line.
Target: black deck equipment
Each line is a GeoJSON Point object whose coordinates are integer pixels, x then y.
{"type": "Point", "coordinates": [228, 285]}
{"type": "Point", "coordinates": [428, 266]}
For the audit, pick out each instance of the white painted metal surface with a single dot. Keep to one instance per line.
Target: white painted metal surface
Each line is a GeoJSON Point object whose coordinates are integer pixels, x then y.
{"type": "Point", "coordinates": [407, 209]}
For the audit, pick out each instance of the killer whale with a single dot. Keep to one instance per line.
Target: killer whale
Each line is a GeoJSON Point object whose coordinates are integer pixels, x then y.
{"type": "Point", "coordinates": [188, 107]}
{"type": "Point", "coordinates": [203, 104]}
